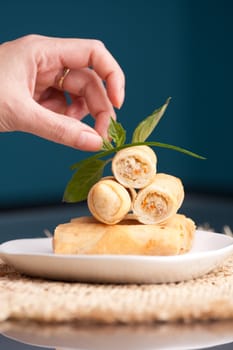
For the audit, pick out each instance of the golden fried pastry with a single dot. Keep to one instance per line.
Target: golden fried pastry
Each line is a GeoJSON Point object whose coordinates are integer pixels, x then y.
{"type": "Point", "coordinates": [134, 166]}
{"type": "Point", "coordinates": [108, 201]}
{"type": "Point", "coordinates": [158, 201]}
{"type": "Point", "coordinates": [86, 235]}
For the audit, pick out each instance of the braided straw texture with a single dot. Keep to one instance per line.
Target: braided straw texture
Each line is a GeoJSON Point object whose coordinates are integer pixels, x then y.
{"type": "Point", "coordinates": [206, 298]}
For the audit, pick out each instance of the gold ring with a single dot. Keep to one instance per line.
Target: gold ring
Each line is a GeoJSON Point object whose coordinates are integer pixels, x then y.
{"type": "Point", "coordinates": [61, 80]}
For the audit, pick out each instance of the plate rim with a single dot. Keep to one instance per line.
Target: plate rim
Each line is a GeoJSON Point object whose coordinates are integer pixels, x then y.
{"type": "Point", "coordinates": [95, 268]}
{"type": "Point", "coordinates": [162, 258]}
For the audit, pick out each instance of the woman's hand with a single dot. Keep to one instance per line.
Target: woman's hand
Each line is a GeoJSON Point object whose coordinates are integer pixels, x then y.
{"type": "Point", "coordinates": [34, 73]}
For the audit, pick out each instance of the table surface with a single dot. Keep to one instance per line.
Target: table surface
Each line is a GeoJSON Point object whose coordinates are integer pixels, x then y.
{"type": "Point", "coordinates": [206, 210]}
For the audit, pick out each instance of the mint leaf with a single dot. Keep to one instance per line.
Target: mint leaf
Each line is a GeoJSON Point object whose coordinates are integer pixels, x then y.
{"type": "Point", "coordinates": [88, 173]}
{"type": "Point", "coordinates": [117, 133]}
{"type": "Point", "coordinates": [147, 126]}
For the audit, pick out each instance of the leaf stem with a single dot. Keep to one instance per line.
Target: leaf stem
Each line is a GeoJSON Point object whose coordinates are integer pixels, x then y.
{"type": "Point", "coordinates": [146, 143]}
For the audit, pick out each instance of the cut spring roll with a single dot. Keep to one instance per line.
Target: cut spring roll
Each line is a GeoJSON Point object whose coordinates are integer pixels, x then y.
{"type": "Point", "coordinates": [134, 166]}
{"type": "Point", "coordinates": [160, 200]}
{"type": "Point", "coordinates": [109, 201]}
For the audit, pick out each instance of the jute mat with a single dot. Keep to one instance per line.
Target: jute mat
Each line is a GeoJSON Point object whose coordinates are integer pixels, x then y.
{"type": "Point", "coordinates": [206, 298]}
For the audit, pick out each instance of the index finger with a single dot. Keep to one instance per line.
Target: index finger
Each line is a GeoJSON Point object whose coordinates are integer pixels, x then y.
{"type": "Point", "coordinates": [79, 53]}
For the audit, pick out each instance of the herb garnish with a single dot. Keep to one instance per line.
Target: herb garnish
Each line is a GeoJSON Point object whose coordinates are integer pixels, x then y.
{"type": "Point", "coordinates": [90, 170]}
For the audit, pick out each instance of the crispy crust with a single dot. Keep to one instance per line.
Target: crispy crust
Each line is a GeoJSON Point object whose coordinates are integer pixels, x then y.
{"type": "Point", "coordinates": [108, 201]}
{"type": "Point", "coordinates": [86, 235]}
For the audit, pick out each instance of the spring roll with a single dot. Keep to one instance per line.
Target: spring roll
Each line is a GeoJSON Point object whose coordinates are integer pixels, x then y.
{"type": "Point", "coordinates": [109, 201]}
{"type": "Point", "coordinates": [158, 201]}
{"type": "Point", "coordinates": [86, 235]}
{"type": "Point", "coordinates": [134, 166]}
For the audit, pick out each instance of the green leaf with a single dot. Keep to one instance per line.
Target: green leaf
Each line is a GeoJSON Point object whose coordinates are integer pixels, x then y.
{"type": "Point", "coordinates": [88, 173]}
{"type": "Point", "coordinates": [147, 143]}
{"type": "Point", "coordinates": [147, 126]}
{"type": "Point", "coordinates": [107, 145]}
{"type": "Point", "coordinates": [174, 148]}
{"type": "Point", "coordinates": [117, 133]}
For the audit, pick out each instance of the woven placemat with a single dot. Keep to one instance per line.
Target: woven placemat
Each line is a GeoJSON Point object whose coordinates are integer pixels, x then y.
{"type": "Point", "coordinates": [206, 298]}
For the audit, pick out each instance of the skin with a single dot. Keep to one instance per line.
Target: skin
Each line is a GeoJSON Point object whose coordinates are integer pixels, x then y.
{"type": "Point", "coordinates": [31, 100]}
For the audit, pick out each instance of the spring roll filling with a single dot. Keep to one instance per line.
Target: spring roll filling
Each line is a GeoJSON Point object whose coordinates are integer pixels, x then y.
{"type": "Point", "coordinates": [155, 205]}
{"type": "Point", "coordinates": [131, 168]}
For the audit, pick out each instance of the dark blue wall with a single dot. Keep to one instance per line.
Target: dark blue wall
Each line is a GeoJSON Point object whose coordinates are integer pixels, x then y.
{"type": "Point", "coordinates": [167, 48]}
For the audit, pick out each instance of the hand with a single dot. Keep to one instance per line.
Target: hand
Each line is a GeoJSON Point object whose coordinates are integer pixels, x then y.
{"type": "Point", "coordinates": [33, 100]}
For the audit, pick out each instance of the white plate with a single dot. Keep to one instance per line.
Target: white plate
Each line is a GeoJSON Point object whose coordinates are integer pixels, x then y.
{"type": "Point", "coordinates": [34, 257]}
{"type": "Point", "coordinates": [160, 336]}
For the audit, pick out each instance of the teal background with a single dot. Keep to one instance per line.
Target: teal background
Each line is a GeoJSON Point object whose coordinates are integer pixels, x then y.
{"type": "Point", "coordinates": [166, 48]}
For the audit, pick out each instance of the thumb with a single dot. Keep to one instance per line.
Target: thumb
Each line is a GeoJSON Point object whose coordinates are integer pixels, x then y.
{"type": "Point", "coordinates": [60, 128]}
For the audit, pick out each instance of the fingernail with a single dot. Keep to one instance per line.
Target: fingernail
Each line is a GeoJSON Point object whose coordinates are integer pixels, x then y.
{"type": "Point", "coordinates": [121, 97]}
{"type": "Point", "coordinates": [89, 141]}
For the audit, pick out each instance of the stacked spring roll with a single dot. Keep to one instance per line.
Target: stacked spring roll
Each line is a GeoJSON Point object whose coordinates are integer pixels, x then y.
{"type": "Point", "coordinates": [160, 200]}
{"type": "Point", "coordinates": [134, 167]}
{"type": "Point", "coordinates": [133, 212]}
